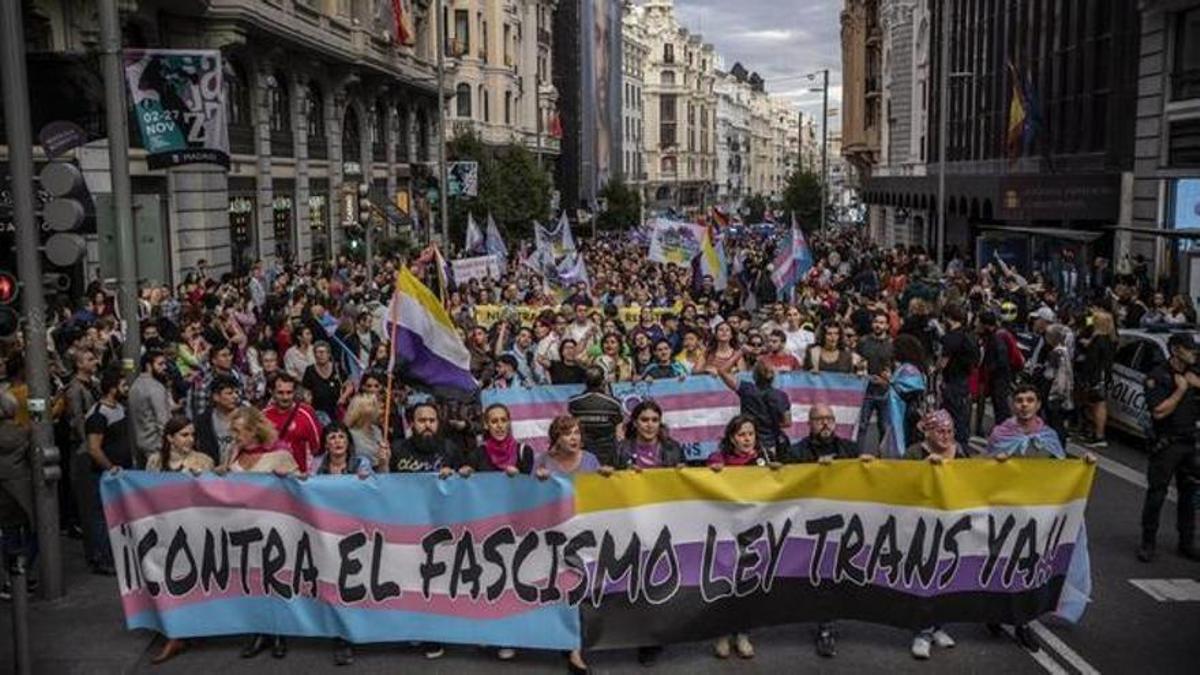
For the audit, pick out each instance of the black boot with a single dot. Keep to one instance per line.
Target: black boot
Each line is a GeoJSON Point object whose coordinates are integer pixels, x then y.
{"type": "Point", "coordinates": [257, 645]}
{"type": "Point", "coordinates": [1145, 552]}
{"type": "Point", "coordinates": [279, 648]}
{"type": "Point", "coordinates": [343, 652]}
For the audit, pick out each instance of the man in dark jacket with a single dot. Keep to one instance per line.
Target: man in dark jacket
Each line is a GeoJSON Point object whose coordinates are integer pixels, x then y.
{"type": "Point", "coordinates": [214, 436]}
{"type": "Point", "coordinates": [822, 442]}
{"type": "Point", "coordinates": [599, 416]}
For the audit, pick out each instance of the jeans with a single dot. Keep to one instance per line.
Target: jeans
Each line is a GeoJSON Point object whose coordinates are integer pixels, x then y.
{"type": "Point", "coordinates": [956, 399]}
{"type": "Point", "coordinates": [96, 548]}
{"type": "Point", "coordinates": [878, 407]}
{"type": "Point", "coordinates": [1170, 460]}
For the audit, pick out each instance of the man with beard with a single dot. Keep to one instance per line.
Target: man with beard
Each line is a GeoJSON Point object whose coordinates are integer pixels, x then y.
{"type": "Point", "coordinates": [427, 450]}
{"type": "Point", "coordinates": [296, 422]}
{"type": "Point", "coordinates": [822, 442]}
{"type": "Point", "coordinates": [149, 405]}
{"type": "Point", "coordinates": [107, 446]}
{"type": "Point", "coordinates": [822, 445]}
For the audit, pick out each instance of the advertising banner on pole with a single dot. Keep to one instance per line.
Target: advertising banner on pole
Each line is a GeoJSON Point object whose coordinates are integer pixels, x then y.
{"type": "Point", "coordinates": [179, 102]}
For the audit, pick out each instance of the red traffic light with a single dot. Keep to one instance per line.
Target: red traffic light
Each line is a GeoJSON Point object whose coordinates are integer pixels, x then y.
{"type": "Point", "coordinates": [8, 288]}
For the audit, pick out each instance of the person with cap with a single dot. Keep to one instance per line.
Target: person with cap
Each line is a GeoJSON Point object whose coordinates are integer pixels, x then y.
{"type": "Point", "coordinates": [1174, 407]}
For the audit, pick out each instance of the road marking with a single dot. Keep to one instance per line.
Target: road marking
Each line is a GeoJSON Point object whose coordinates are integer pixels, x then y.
{"type": "Point", "coordinates": [1043, 659]}
{"type": "Point", "coordinates": [1111, 466]}
{"type": "Point", "coordinates": [1060, 648]}
{"type": "Point", "coordinates": [1170, 590]}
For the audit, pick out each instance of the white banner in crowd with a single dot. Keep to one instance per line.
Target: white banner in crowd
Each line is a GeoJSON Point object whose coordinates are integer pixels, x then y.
{"type": "Point", "coordinates": [479, 267]}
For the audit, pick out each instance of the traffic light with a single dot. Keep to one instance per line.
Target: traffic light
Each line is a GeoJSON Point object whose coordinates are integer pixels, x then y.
{"type": "Point", "coordinates": [9, 319]}
{"type": "Point", "coordinates": [63, 218]}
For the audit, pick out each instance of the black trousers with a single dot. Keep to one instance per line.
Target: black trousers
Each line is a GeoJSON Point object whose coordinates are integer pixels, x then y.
{"type": "Point", "coordinates": [956, 399]}
{"type": "Point", "coordinates": [1171, 460]}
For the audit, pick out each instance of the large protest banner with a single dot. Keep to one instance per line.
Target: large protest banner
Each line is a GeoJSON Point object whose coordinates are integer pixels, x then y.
{"type": "Point", "coordinates": [675, 242]}
{"type": "Point", "coordinates": [695, 409]}
{"type": "Point", "coordinates": [687, 554]}
{"type": "Point", "coordinates": [331, 556]}
{"type": "Point", "coordinates": [179, 102]}
{"type": "Point", "coordinates": [479, 267]}
{"type": "Point", "coordinates": [643, 558]}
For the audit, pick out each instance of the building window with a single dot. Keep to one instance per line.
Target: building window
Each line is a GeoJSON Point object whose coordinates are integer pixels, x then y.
{"type": "Point", "coordinates": [1185, 78]}
{"type": "Point", "coordinates": [668, 165]}
{"type": "Point", "coordinates": [1184, 144]}
{"type": "Point", "coordinates": [462, 32]}
{"type": "Point", "coordinates": [668, 78]}
{"type": "Point", "coordinates": [508, 107]}
{"type": "Point", "coordinates": [314, 119]}
{"type": "Point", "coordinates": [237, 109]}
{"type": "Point", "coordinates": [483, 104]}
{"type": "Point", "coordinates": [463, 101]}
{"type": "Point", "coordinates": [667, 119]}
{"type": "Point", "coordinates": [668, 53]}
{"type": "Point", "coordinates": [279, 117]}
{"type": "Point", "coordinates": [351, 143]}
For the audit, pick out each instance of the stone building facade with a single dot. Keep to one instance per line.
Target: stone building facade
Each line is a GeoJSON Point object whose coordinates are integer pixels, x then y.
{"type": "Point", "coordinates": [320, 98]}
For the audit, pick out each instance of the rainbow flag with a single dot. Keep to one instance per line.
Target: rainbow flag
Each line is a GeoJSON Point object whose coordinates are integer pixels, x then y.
{"type": "Point", "coordinates": [695, 409]}
{"type": "Point", "coordinates": [425, 339]}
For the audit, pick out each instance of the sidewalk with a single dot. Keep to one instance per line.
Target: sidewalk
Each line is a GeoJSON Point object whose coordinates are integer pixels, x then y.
{"type": "Point", "coordinates": [82, 632]}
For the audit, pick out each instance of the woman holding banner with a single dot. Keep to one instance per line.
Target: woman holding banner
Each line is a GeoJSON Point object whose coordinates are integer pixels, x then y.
{"type": "Point", "coordinates": [739, 447]}
{"type": "Point", "coordinates": [566, 457]}
{"type": "Point", "coordinates": [938, 447]}
{"type": "Point", "coordinates": [362, 418]}
{"type": "Point", "coordinates": [338, 458]}
{"type": "Point", "coordinates": [257, 449]}
{"type": "Point", "coordinates": [178, 454]}
{"type": "Point", "coordinates": [501, 451]}
{"type": "Point", "coordinates": [647, 444]}
{"type": "Point", "coordinates": [723, 352]}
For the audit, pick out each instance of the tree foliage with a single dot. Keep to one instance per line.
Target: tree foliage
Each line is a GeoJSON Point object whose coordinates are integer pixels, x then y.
{"type": "Point", "coordinates": [623, 206]}
{"type": "Point", "coordinates": [756, 207]}
{"type": "Point", "coordinates": [512, 187]}
{"type": "Point", "coordinates": [802, 196]}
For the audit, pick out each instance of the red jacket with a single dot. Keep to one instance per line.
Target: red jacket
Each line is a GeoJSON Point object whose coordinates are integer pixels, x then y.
{"type": "Point", "coordinates": [303, 433]}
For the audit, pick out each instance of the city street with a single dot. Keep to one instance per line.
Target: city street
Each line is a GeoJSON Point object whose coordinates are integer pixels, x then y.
{"type": "Point", "coordinates": [1125, 629]}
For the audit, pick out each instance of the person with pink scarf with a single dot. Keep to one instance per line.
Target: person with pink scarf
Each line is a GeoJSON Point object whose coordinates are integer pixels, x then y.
{"type": "Point", "coordinates": [502, 452]}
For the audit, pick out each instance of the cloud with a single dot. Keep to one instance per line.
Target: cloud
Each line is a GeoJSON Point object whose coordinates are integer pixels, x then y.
{"type": "Point", "coordinates": [782, 40]}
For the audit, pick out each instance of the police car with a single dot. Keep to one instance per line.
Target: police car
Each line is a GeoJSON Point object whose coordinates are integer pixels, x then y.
{"type": "Point", "coordinates": [1138, 353]}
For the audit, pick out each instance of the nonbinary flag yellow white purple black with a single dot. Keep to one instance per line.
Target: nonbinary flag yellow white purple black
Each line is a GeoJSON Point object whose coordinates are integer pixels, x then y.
{"type": "Point", "coordinates": [425, 338]}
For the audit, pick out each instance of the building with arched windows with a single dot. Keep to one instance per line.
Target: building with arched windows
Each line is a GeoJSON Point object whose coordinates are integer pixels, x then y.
{"type": "Point", "coordinates": [320, 98]}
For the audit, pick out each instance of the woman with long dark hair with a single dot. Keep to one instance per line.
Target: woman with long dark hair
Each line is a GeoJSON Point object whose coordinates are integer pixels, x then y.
{"type": "Point", "coordinates": [647, 444]}
{"type": "Point", "coordinates": [178, 453]}
{"type": "Point", "coordinates": [739, 447]}
{"type": "Point", "coordinates": [906, 395]}
{"type": "Point", "coordinates": [501, 451]}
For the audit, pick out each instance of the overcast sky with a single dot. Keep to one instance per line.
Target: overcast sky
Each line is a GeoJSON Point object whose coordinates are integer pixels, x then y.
{"type": "Point", "coordinates": [781, 39]}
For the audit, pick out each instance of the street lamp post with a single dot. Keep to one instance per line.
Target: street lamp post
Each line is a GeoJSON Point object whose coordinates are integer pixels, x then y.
{"type": "Point", "coordinates": [824, 139]}
{"type": "Point", "coordinates": [443, 200]}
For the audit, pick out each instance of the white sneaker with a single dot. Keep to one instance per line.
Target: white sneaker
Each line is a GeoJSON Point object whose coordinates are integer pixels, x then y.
{"type": "Point", "coordinates": [721, 647]}
{"type": "Point", "coordinates": [942, 639]}
{"type": "Point", "coordinates": [506, 653]}
{"type": "Point", "coordinates": [921, 647]}
{"type": "Point", "coordinates": [745, 650]}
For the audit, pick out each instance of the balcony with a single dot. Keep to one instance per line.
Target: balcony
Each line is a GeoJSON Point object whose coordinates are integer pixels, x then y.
{"type": "Point", "coordinates": [543, 37]}
{"type": "Point", "coordinates": [456, 48]}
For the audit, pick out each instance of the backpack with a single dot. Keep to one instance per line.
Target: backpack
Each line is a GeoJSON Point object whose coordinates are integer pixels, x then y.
{"type": "Point", "coordinates": [1016, 360]}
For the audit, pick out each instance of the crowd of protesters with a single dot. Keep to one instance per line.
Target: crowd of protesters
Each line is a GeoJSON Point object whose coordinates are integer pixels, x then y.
{"type": "Point", "coordinates": [285, 370]}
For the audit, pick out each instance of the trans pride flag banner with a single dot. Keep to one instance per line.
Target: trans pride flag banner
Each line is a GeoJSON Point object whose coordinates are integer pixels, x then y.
{"type": "Point", "coordinates": [339, 556]}
{"type": "Point", "coordinates": [695, 409]}
{"type": "Point", "coordinates": [656, 557]}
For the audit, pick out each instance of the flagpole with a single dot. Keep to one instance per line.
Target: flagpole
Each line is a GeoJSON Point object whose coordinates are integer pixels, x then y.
{"type": "Point", "coordinates": [391, 376]}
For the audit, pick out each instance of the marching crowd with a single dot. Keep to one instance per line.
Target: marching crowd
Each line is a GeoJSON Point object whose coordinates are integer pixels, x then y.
{"type": "Point", "coordinates": [286, 370]}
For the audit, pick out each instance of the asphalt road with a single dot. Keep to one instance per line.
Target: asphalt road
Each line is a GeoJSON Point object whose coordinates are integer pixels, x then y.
{"type": "Point", "coordinates": [1125, 630]}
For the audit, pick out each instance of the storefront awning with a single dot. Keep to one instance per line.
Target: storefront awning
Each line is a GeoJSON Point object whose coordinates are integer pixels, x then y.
{"type": "Point", "coordinates": [1083, 236]}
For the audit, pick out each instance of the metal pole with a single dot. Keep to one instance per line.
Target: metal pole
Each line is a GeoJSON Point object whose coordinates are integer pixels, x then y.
{"type": "Point", "coordinates": [943, 114]}
{"type": "Point", "coordinates": [824, 146]}
{"type": "Point", "coordinates": [45, 455]}
{"type": "Point", "coordinates": [118, 162]}
{"type": "Point", "coordinates": [443, 198]}
{"type": "Point", "coordinates": [18, 578]}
